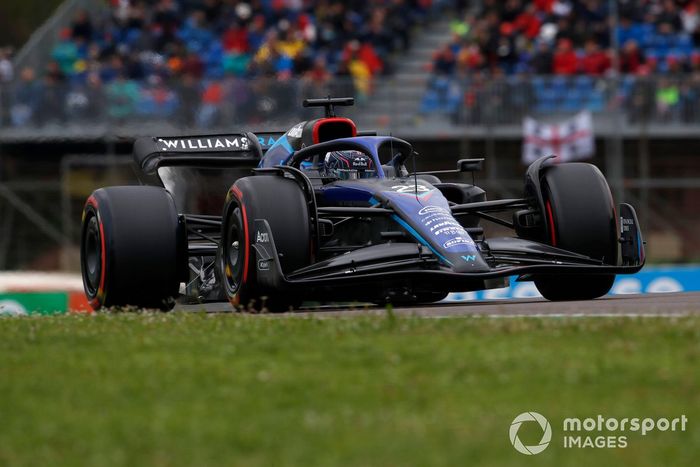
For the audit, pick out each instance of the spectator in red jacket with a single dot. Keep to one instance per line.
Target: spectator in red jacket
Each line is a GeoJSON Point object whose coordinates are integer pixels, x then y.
{"type": "Point", "coordinates": [235, 39]}
{"type": "Point", "coordinates": [470, 57]}
{"type": "Point", "coordinates": [565, 61]}
{"type": "Point", "coordinates": [544, 5]}
{"type": "Point", "coordinates": [631, 58]}
{"type": "Point", "coordinates": [368, 55]}
{"type": "Point", "coordinates": [528, 23]}
{"type": "Point", "coordinates": [595, 62]}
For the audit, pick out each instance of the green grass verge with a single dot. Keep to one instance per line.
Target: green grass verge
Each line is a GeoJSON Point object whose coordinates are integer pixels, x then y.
{"type": "Point", "coordinates": [193, 389]}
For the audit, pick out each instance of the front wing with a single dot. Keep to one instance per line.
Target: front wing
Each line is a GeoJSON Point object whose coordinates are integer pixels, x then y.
{"type": "Point", "coordinates": [399, 264]}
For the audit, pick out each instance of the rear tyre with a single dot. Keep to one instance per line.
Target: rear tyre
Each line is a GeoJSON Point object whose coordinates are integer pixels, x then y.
{"type": "Point", "coordinates": [581, 217]}
{"type": "Point", "coordinates": [130, 250]}
{"type": "Point", "coordinates": [281, 202]}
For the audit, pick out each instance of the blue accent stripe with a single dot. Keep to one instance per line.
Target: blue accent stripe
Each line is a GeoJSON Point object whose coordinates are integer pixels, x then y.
{"type": "Point", "coordinates": [284, 142]}
{"type": "Point", "coordinates": [418, 237]}
{"type": "Point", "coordinates": [278, 154]}
{"type": "Point", "coordinates": [639, 245]}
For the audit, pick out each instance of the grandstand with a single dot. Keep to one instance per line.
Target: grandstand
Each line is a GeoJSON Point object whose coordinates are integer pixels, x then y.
{"type": "Point", "coordinates": [457, 78]}
{"type": "Point", "coordinates": [207, 64]}
{"type": "Point", "coordinates": [547, 57]}
{"type": "Point", "coordinates": [200, 64]}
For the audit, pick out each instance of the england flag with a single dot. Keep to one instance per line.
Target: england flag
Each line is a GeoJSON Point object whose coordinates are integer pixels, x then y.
{"type": "Point", "coordinates": [570, 140]}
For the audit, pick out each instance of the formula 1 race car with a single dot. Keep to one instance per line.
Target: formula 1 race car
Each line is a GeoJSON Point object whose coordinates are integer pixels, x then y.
{"type": "Point", "coordinates": [324, 213]}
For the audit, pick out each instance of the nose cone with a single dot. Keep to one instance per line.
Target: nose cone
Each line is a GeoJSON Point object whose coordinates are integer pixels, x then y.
{"type": "Point", "coordinates": [425, 213]}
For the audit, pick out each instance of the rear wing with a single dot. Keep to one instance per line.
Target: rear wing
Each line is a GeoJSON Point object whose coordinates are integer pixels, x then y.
{"type": "Point", "coordinates": [197, 150]}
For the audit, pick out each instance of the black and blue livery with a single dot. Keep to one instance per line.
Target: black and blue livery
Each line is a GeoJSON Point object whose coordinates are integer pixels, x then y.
{"type": "Point", "coordinates": [291, 231]}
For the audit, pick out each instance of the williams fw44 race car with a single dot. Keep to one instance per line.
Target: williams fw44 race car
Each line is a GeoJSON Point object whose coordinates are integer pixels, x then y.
{"type": "Point", "coordinates": [324, 213]}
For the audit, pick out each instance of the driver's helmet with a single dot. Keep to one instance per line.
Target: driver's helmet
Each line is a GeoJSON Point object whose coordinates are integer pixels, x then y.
{"type": "Point", "coordinates": [349, 165]}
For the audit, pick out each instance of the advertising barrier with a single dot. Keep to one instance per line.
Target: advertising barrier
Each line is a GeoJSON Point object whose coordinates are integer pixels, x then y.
{"type": "Point", "coordinates": [651, 279]}
{"type": "Point", "coordinates": [45, 294]}
{"type": "Point", "coordinates": [23, 293]}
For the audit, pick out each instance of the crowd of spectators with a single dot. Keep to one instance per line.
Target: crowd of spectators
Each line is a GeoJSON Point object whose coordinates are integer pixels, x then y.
{"type": "Point", "coordinates": [206, 62]}
{"type": "Point", "coordinates": [569, 37]}
{"type": "Point", "coordinates": [203, 61]}
{"type": "Point", "coordinates": [572, 41]}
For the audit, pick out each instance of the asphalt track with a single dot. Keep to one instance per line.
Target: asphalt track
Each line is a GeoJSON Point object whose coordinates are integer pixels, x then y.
{"type": "Point", "coordinates": [651, 305]}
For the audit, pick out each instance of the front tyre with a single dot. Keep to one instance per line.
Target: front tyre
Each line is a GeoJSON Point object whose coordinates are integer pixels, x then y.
{"type": "Point", "coordinates": [282, 203]}
{"type": "Point", "coordinates": [130, 249]}
{"type": "Point", "coordinates": [581, 218]}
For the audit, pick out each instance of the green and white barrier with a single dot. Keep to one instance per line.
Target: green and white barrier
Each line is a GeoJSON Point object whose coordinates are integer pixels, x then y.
{"type": "Point", "coordinates": [24, 293]}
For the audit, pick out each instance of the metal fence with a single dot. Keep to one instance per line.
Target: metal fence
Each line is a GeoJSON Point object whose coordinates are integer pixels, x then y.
{"type": "Point", "coordinates": [409, 104]}
{"type": "Point", "coordinates": [36, 108]}
{"type": "Point", "coordinates": [665, 100]}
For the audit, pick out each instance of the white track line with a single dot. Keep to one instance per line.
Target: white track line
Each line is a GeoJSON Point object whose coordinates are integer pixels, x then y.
{"type": "Point", "coordinates": [564, 315]}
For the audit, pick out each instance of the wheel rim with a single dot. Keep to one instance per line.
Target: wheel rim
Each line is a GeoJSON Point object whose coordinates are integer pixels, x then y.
{"type": "Point", "coordinates": [234, 251]}
{"type": "Point", "coordinates": [92, 256]}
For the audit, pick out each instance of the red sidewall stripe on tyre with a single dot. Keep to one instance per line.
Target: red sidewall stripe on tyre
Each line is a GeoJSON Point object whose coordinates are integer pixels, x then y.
{"type": "Point", "coordinates": [95, 302]}
{"type": "Point", "coordinates": [550, 221]}
{"type": "Point", "coordinates": [239, 196]}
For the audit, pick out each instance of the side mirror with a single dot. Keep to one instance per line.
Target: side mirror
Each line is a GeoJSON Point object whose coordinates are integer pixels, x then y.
{"type": "Point", "coordinates": [470, 165]}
